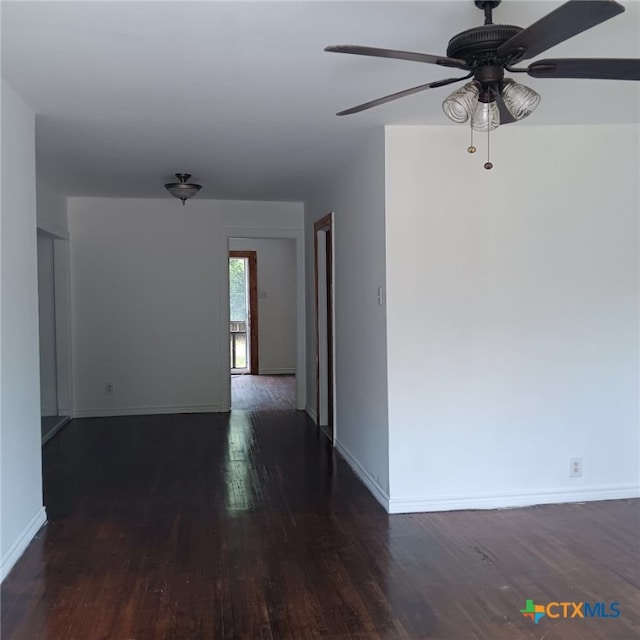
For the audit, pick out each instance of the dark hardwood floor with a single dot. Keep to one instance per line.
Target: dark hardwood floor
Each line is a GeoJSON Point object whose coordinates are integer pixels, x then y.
{"type": "Point", "coordinates": [248, 526]}
{"type": "Point", "coordinates": [263, 392]}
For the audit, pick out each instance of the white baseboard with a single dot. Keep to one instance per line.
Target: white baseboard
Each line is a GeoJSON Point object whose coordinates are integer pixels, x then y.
{"type": "Point", "coordinates": [18, 547]}
{"type": "Point", "coordinates": [369, 481]}
{"type": "Point", "coordinates": [146, 411]}
{"type": "Point", "coordinates": [63, 421]}
{"type": "Point", "coordinates": [506, 501]}
{"type": "Point", "coordinates": [311, 413]}
{"type": "Point", "coordinates": [277, 372]}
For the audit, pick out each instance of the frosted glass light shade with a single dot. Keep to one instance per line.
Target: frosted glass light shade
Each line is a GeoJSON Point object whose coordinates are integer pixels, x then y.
{"type": "Point", "coordinates": [520, 100]}
{"type": "Point", "coordinates": [486, 116]}
{"type": "Point", "coordinates": [460, 104]}
{"type": "Point", "coordinates": [182, 190]}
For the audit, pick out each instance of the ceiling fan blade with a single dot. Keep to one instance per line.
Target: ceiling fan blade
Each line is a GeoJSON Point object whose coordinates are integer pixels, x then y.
{"type": "Point", "coordinates": [398, 55]}
{"type": "Point", "coordinates": [400, 94]}
{"type": "Point", "coordinates": [505, 114]}
{"type": "Point", "coordinates": [596, 68]}
{"type": "Point", "coordinates": [566, 21]}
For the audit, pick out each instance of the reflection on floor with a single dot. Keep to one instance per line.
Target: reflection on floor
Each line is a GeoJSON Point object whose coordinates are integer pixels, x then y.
{"type": "Point", "coordinates": [50, 425]}
{"type": "Point", "coordinates": [248, 526]}
{"type": "Point", "coordinates": [263, 392]}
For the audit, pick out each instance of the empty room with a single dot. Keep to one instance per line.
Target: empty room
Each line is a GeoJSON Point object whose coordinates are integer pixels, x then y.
{"type": "Point", "coordinates": [320, 319]}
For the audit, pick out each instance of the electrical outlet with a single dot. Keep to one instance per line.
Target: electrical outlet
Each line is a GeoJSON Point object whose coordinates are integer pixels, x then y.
{"type": "Point", "coordinates": [575, 468]}
{"type": "Point", "coordinates": [263, 294]}
{"type": "Point", "coordinates": [108, 388]}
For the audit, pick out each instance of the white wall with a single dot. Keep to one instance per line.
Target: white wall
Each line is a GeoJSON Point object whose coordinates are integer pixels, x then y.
{"type": "Point", "coordinates": [21, 510]}
{"type": "Point", "coordinates": [52, 210]}
{"type": "Point", "coordinates": [47, 327]}
{"type": "Point", "coordinates": [512, 316]}
{"type": "Point", "coordinates": [356, 195]}
{"type": "Point", "coordinates": [276, 302]}
{"type": "Point", "coordinates": [148, 278]}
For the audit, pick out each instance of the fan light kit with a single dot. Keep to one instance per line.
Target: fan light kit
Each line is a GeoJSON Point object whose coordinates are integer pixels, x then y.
{"type": "Point", "coordinates": [468, 102]}
{"type": "Point", "coordinates": [182, 189]}
{"type": "Point", "coordinates": [485, 52]}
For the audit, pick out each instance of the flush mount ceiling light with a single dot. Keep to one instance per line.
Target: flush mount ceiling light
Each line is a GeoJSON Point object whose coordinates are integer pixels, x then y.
{"type": "Point", "coordinates": [182, 190]}
{"type": "Point", "coordinates": [484, 54]}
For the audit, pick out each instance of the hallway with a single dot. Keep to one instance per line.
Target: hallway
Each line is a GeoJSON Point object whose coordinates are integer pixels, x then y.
{"type": "Point", "coordinates": [247, 525]}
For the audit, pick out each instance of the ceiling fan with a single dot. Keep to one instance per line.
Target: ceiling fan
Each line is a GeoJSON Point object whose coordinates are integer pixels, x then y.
{"type": "Point", "coordinates": [485, 53]}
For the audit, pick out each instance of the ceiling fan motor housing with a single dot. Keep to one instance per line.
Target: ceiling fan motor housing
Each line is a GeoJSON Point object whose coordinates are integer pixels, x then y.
{"type": "Point", "coordinates": [479, 45]}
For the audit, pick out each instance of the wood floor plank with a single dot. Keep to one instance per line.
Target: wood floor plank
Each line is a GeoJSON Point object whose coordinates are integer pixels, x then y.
{"type": "Point", "coordinates": [249, 526]}
{"type": "Point", "coordinates": [261, 393]}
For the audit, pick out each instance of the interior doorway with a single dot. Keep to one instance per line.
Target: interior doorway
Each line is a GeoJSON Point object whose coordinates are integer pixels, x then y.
{"type": "Point", "coordinates": [243, 312]}
{"type": "Point", "coordinates": [281, 301]}
{"type": "Point", "coordinates": [323, 270]}
{"type": "Point", "coordinates": [262, 283]}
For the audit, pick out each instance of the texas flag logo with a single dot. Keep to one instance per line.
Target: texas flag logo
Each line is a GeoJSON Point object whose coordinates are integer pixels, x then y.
{"type": "Point", "coordinates": [533, 611]}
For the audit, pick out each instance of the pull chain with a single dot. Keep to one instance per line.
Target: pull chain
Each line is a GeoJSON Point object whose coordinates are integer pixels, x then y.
{"type": "Point", "coordinates": [488, 164]}
{"type": "Point", "coordinates": [471, 148]}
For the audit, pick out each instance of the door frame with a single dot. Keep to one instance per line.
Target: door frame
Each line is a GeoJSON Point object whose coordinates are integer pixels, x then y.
{"type": "Point", "coordinates": [62, 310]}
{"type": "Point", "coordinates": [252, 259]}
{"type": "Point", "coordinates": [325, 225]}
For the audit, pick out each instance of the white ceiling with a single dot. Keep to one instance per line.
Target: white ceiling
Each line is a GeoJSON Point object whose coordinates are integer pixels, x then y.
{"type": "Point", "coordinates": [241, 94]}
